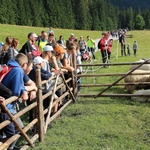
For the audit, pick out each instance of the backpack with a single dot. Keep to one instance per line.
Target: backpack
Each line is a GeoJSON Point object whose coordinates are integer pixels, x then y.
{"type": "Point", "coordinates": [120, 38]}
{"type": "Point", "coordinates": [5, 92]}
{"type": "Point", "coordinates": [4, 70]}
{"type": "Point", "coordinates": [99, 45]}
{"type": "Point", "coordinates": [3, 57]}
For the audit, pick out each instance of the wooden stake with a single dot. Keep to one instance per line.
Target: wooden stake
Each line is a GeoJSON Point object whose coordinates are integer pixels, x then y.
{"type": "Point", "coordinates": [17, 125]}
{"type": "Point", "coordinates": [50, 104]}
{"type": "Point", "coordinates": [68, 87]}
{"type": "Point", "coordinates": [40, 105]}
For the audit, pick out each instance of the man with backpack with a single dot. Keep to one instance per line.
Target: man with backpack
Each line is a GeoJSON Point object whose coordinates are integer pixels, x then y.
{"type": "Point", "coordinates": [13, 80]}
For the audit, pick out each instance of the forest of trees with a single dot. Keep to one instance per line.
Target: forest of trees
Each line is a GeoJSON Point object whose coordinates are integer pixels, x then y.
{"type": "Point", "coordinates": [73, 14]}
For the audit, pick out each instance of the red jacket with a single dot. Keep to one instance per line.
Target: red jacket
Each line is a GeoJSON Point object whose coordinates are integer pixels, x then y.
{"type": "Point", "coordinates": [104, 44]}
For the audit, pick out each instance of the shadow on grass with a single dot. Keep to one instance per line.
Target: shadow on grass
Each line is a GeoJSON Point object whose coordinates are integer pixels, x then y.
{"type": "Point", "coordinates": [112, 100]}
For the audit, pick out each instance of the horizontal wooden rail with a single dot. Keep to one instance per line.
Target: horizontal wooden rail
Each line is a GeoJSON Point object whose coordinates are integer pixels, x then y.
{"type": "Point", "coordinates": [113, 95]}
{"type": "Point", "coordinates": [119, 84]}
{"type": "Point", "coordinates": [113, 64]}
{"type": "Point", "coordinates": [58, 87]}
{"type": "Point", "coordinates": [110, 74]}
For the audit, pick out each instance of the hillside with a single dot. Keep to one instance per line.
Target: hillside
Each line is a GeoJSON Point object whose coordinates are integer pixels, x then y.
{"type": "Point", "coordinates": [142, 4]}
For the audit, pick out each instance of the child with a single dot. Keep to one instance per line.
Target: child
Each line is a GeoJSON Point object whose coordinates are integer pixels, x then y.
{"type": "Point", "coordinates": [135, 47]}
{"type": "Point", "coordinates": [128, 48]}
{"type": "Point", "coordinates": [86, 56]}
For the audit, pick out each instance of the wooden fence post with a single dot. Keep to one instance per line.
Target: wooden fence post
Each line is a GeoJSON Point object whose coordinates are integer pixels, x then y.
{"type": "Point", "coordinates": [74, 75]}
{"type": "Point", "coordinates": [40, 105]}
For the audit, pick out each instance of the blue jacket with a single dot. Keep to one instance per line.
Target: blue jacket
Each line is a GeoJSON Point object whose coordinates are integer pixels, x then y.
{"type": "Point", "coordinates": [14, 81]}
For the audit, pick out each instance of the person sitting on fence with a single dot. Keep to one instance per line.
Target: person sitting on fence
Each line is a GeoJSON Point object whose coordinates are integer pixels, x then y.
{"type": "Point", "coordinates": [14, 81]}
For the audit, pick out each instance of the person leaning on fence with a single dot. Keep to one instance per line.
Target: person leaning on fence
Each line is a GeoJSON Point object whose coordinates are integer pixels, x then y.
{"type": "Point", "coordinates": [91, 46]}
{"type": "Point", "coordinates": [45, 75]}
{"type": "Point", "coordinates": [14, 81]}
{"type": "Point", "coordinates": [59, 54]}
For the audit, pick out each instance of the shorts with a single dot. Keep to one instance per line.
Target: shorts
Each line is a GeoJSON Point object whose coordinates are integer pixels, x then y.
{"type": "Point", "coordinates": [8, 130]}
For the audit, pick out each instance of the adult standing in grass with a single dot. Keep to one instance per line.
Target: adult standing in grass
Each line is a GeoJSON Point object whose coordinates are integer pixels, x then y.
{"type": "Point", "coordinates": [91, 46]}
{"type": "Point", "coordinates": [82, 45]}
{"type": "Point", "coordinates": [103, 46]}
{"type": "Point", "coordinates": [123, 44]}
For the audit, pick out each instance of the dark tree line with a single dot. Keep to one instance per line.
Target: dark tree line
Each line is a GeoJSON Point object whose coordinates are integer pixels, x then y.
{"type": "Point", "coordinates": [73, 14]}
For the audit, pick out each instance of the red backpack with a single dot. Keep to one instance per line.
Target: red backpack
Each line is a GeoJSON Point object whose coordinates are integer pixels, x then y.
{"type": "Point", "coordinates": [4, 70]}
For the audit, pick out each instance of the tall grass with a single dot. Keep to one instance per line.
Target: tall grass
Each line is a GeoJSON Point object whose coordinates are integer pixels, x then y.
{"type": "Point", "coordinates": [102, 123]}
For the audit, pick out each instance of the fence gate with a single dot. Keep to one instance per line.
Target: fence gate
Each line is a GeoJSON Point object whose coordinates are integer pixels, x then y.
{"type": "Point", "coordinates": [115, 83]}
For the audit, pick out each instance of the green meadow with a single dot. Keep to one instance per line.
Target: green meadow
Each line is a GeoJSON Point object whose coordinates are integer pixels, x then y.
{"type": "Point", "coordinates": [104, 123]}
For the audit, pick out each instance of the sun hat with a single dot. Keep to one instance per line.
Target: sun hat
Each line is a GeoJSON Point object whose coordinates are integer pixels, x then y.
{"type": "Point", "coordinates": [37, 60]}
{"type": "Point", "coordinates": [59, 49]}
{"type": "Point", "coordinates": [48, 48]}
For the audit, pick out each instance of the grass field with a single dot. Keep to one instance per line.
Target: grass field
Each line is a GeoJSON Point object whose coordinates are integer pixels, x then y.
{"type": "Point", "coordinates": [102, 123]}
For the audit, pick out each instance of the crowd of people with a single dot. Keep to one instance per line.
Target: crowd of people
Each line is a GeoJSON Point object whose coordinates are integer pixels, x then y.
{"type": "Point", "coordinates": [44, 52]}
{"type": "Point", "coordinates": [53, 57]}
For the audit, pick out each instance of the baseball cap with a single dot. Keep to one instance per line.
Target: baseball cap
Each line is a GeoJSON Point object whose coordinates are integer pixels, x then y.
{"type": "Point", "coordinates": [37, 60]}
{"type": "Point", "coordinates": [59, 49]}
{"type": "Point", "coordinates": [72, 34]}
{"type": "Point", "coordinates": [35, 35]}
{"type": "Point", "coordinates": [106, 34]}
{"type": "Point", "coordinates": [48, 48]}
